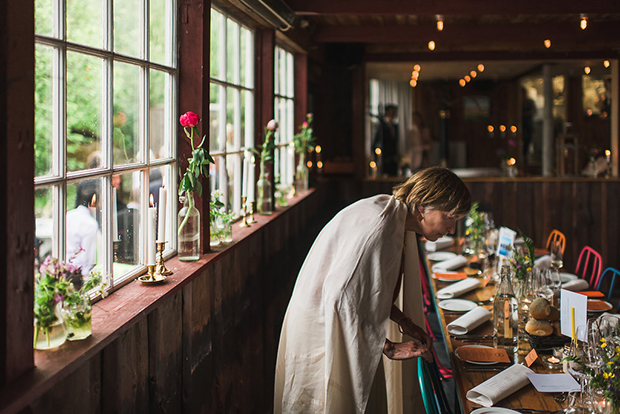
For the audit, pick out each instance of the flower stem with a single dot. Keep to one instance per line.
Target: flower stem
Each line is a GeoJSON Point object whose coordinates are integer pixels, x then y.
{"type": "Point", "coordinates": [190, 206]}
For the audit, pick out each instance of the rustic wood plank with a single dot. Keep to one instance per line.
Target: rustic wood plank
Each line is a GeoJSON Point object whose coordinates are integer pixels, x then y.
{"type": "Point", "coordinates": [165, 356]}
{"type": "Point", "coordinates": [125, 376]}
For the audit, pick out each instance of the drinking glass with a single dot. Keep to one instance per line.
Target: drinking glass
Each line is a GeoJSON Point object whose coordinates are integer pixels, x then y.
{"type": "Point", "coordinates": [556, 283]}
{"type": "Point", "coordinates": [544, 284]}
{"type": "Point", "coordinates": [555, 251]}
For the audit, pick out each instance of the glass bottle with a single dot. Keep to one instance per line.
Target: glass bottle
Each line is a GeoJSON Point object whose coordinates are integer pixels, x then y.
{"type": "Point", "coordinates": [301, 175]}
{"type": "Point", "coordinates": [264, 202]}
{"type": "Point", "coordinates": [189, 230]}
{"type": "Point", "coordinates": [505, 314]}
{"type": "Point", "coordinates": [77, 318]}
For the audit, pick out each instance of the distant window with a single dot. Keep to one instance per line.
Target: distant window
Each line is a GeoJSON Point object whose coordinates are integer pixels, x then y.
{"type": "Point", "coordinates": [285, 115]}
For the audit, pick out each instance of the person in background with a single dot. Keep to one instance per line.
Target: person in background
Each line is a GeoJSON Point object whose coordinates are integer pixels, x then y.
{"type": "Point", "coordinates": [528, 112]}
{"type": "Point", "coordinates": [82, 227]}
{"type": "Point", "coordinates": [336, 325]}
{"type": "Point", "coordinates": [386, 139]}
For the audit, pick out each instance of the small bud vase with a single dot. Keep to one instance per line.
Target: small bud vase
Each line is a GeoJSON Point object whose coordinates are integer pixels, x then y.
{"type": "Point", "coordinates": [188, 249]}
{"type": "Point", "coordinates": [77, 319]}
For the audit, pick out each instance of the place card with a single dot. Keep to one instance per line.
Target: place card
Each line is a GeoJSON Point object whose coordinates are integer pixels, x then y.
{"type": "Point", "coordinates": [531, 357]}
{"type": "Point", "coordinates": [470, 353]}
{"type": "Point", "coordinates": [553, 382]}
{"type": "Point", "coordinates": [592, 294]}
{"type": "Point", "coordinates": [573, 311]}
{"type": "Point", "coordinates": [506, 240]}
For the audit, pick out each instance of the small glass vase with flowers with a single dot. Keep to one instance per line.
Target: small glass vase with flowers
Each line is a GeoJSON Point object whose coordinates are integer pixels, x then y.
{"type": "Point", "coordinates": [304, 144]}
{"type": "Point", "coordinates": [263, 186]}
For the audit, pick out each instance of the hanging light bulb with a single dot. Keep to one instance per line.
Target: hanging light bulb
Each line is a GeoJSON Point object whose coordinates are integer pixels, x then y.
{"type": "Point", "coordinates": [481, 68]}
{"type": "Point", "coordinates": [413, 83]}
{"type": "Point", "coordinates": [318, 149]}
{"type": "Point", "coordinates": [467, 78]}
{"type": "Point", "coordinates": [587, 70]}
{"type": "Point", "coordinates": [606, 63]}
{"type": "Point", "coordinates": [584, 21]}
{"type": "Point", "coordinates": [439, 18]}
{"type": "Point", "coordinates": [416, 68]}
{"type": "Point", "coordinates": [473, 73]}
{"type": "Point", "coordinates": [431, 45]}
{"type": "Point", "coordinates": [547, 43]}
{"type": "Point", "coordinates": [513, 129]}
{"type": "Point", "coordinates": [462, 82]}
{"type": "Point", "coordinates": [490, 128]}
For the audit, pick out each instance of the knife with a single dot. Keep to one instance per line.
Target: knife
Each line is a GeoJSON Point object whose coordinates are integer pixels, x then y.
{"type": "Point", "coordinates": [472, 337]}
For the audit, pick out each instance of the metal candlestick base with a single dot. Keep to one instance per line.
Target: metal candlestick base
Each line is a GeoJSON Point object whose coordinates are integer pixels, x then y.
{"type": "Point", "coordinates": [252, 207]}
{"type": "Point", "coordinates": [152, 277]}
{"type": "Point", "coordinates": [244, 223]}
{"type": "Point", "coordinates": [161, 267]}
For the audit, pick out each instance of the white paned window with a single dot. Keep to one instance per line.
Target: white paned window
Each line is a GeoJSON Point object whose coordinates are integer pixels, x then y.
{"type": "Point", "coordinates": [231, 107]}
{"type": "Point", "coordinates": [105, 111]}
{"type": "Point", "coordinates": [284, 110]}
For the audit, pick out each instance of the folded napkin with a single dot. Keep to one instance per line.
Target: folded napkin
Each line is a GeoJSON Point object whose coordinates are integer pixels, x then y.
{"type": "Point", "coordinates": [500, 386]}
{"type": "Point", "coordinates": [450, 276]}
{"type": "Point", "coordinates": [576, 285]}
{"type": "Point", "coordinates": [450, 264]}
{"type": "Point", "coordinates": [458, 288]}
{"type": "Point", "coordinates": [592, 293]}
{"type": "Point", "coordinates": [441, 243]}
{"type": "Point", "coordinates": [469, 321]}
{"type": "Point", "coordinates": [543, 262]}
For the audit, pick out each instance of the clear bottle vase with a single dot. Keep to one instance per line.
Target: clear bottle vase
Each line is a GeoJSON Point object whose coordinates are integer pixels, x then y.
{"type": "Point", "coordinates": [52, 336]}
{"type": "Point", "coordinates": [302, 174]}
{"type": "Point", "coordinates": [264, 201]}
{"type": "Point", "coordinates": [505, 314]}
{"type": "Point", "coordinates": [189, 230]}
{"type": "Point", "coordinates": [78, 319]}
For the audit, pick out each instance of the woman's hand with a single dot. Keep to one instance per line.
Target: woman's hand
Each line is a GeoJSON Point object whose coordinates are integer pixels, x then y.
{"type": "Point", "coordinates": [406, 350]}
{"type": "Point", "coordinates": [414, 331]}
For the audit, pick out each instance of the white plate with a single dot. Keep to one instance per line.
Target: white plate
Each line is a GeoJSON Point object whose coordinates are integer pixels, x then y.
{"type": "Point", "coordinates": [440, 256]}
{"type": "Point", "coordinates": [456, 352]}
{"type": "Point", "coordinates": [492, 410]}
{"type": "Point", "coordinates": [457, 305]}
{"type": "Point", "coordinates": [609, 305]}
{"type": "Point", "coordinates": [567, 277]}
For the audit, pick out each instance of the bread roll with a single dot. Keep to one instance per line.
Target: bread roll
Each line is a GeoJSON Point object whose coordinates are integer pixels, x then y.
{"type": "Point", "coordinates": [554, 315]}
{"type": "Point", "coordinates": [539, 328]}
{"type": "Point", "coordinates": [540, 308]}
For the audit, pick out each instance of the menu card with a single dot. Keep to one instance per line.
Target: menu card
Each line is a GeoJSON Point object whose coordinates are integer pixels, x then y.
{"type": "Point", "coordinates": [553, 382]}
{"type": "Point", "coordinates": [479, 354]}
{"type": "Point", "coordinates": [500, 386]}
{"type": "Point", "coordinates": [570, 320]}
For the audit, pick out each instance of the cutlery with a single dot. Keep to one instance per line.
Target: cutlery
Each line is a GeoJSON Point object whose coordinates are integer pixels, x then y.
{"type": "Point", "coordinates": [471, 337]}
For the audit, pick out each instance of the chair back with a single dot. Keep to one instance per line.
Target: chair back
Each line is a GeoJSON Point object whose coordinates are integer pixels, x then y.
{"type": "Point", "coordinates": [612, 273]}
{"type": "Point", "coordinates": [433, 395]}
{"type": "Point", "coordinates": [589, 266]}
{"type": "Point", "coordinates": [556, 235]}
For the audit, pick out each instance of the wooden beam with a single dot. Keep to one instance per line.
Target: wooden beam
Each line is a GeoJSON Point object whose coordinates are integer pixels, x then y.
{"type": "Point", "coordinates": [471, 34]}
{"type": "Point", "coordinates": [449, 7]}
{"type": "Point", "coordinates": [486, 56]}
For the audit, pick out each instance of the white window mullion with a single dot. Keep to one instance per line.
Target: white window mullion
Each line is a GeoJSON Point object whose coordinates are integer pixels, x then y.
{"type": "Point", "coordinates": [145, 53]}
{"type": "Point", "coordinates": [108, 25]}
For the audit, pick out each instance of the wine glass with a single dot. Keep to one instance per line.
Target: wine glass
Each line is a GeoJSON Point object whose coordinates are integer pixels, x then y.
{"type": "Point", "coordinates": [555, 251]}
{"type": "Point", "coordinates": [544, 284]}
{"type": "Point", "coordinates": [555, 279]}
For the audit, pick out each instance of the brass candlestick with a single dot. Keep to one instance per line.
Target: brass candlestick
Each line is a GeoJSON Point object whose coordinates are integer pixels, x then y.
{"type": "Point", "coordinates": [152, 277]}
{"type": "Point", "coordinates": [252, 207]}
{"type": "Point", "coordinates": [244, 223]}
{"type": "Point", "coordinates": [161, 267]}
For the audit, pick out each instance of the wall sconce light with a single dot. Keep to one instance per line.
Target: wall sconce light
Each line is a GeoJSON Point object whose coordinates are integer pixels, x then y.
{"type": "Point", "coordinates": [584, 21]}
{"type": "Point", "coordinates": [587, 70]}
{"type": "Point", "coordinates": [462, 82]}
{"type": "Point", "coordinates": [439, 18]}
{"type": "Point", "coordinates": [481, 68]}
{"type": "Point", "coordinates": [431, 45]}
{"type": "Point", "coordinates": [547, 43]}
{"type": "Point", "coordinates": [606, 63]}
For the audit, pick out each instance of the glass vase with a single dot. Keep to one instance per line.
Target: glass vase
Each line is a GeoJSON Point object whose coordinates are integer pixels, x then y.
{"type": "Point", "coordinates": [505, 314]}
{"type": "Point", "coordinates": [189, 230]}
{"type": "Point", "coordinates": [302, 174]}
{"type": "Point", "coordinates": [52, 336]}
{"type": "Point", "coordinates": [77, 319]}
{"type": "Point", "coordinates": [221, 232]}
{"type": "Point", "coordinates": [264, 204]}
{"type": "Point", "coordinates": [526, 293]}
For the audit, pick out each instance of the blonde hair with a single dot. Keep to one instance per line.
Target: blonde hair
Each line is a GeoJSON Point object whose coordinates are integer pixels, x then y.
{"type": "Point", "coordinates": [435, 188]}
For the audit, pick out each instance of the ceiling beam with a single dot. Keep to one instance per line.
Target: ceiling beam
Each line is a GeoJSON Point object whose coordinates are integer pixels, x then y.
{"type": "Point", "coordinates": [558, 33]}
{"type": "Point", "coordinates": [594, 56]}
{"type": "Point", "coordinates": [452, 7]}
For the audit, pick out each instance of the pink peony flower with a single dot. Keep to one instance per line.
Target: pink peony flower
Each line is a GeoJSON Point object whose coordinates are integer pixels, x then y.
{"type": "Point", "coordinates": [272, 125]}
{"type": "Point", "coordinates": [304, 125]}
{"type": "Point", "coordinates": [189, 119]}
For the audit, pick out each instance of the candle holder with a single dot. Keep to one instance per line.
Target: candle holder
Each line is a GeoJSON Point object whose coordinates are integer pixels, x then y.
{"type": "Point", "coordinates": [244, 223]}
{"type": "Point", "coordinates": [251, 219]}
{"type": "Point", "coordinates": [152, 277]}
{"type": "Point", "coordinates": [161, 267]}
{"type": "Point", "coordinates": [115, 245]}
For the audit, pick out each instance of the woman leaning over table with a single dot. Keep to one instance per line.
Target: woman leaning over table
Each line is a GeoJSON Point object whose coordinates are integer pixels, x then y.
{"type": "Point", "coordinates": [335, 327]}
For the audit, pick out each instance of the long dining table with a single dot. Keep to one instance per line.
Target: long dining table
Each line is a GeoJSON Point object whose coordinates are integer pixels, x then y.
{"type": "Point", "coordinates": [468, 375]}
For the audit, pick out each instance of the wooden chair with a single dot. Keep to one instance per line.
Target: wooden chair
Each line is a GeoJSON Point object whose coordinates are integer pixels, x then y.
{"type": "Point", "coordinates": [555, 235]}
{"type": "Point", "coordinates": [433, 394]}
{"type": "Point", "coordinates": [613, 273]}
{"type": "Point", "coordinates": [589, 266]}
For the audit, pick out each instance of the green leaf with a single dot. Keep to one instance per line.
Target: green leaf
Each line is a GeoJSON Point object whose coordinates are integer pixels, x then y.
{"type": "Point", "coordinates": [198, 188]}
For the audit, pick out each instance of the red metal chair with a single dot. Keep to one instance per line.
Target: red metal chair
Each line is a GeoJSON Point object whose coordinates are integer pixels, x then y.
{"type": "Point", "coordinates": [589, 266]}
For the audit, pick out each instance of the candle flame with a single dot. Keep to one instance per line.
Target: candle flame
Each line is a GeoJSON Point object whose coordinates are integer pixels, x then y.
{"type": "Point", "coordinates": [378, 151]}
{"type": "Point", "coordinates": [318, 149]}
{"type": "Point", "coordinates": [373, 165]}
{"type": "Point", "coordinates": [309, 164]}
{"type": "Point", "coordinates": [152, 200]}
{"type": "Point", "coordinates": [93, 201]}
{"type": "Point", "coordinates": [319, 164]}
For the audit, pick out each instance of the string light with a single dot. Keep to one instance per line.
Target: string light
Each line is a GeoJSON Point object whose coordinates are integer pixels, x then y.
{"type": "Point", "coordinates": [416, 68]}
{"type": "Point", "coordinates": [587, 70]}
{"type": "Point", "coordinates": [431, 45]}
{"type": "Point", "coordinates": [513, 129]}
{"type": "Point", "coordinates": [318, 149]}
{"type": "Point", "coordinates": [473, 73]}
{"type": "Point", "coordinates": [502, 128]}
{"type": "Point", "coordinates": [481, 68]}
{"type": "Point", "coordinates": [547, 43]}
{"type": "Point", "coordinates": [439, 19]}
{"type": "Point", "coordinates": [415, 75]}
{"type": "Point", "coordinates": [319, 164]}
{"type": "Point", "coordinates": [309, 164]}
{"type": "Point", "coordinates": [413, 83]}
{"type": "Point", "coordinates": [512, 161]}
{"type": "Point", "coordinates": [584, 21]}
{"type": "Point", "coordinates": [462, 82]}
{"type": "Point", "coordinates": [490, 128]}
{"type": "Point", "coordinates": [606, 63]}
{"type": "Point", "coordinates": [467, 78]}
{"type": "Point", "coordinates": [373, 165]}
{"type": "Point", "coordinates": [378, 151]}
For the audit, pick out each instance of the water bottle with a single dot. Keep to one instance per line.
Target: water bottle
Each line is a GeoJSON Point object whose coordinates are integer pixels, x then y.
{"type": "Point", "coordinates": [505, 314]}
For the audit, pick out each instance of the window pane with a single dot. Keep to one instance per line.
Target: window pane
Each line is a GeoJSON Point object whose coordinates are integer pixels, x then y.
{"type": "Point", "coordinates": [44, 110]}
{"type": "Point", "coordinates": [161, 27]}
{"type": "Point", "coordinates": [217, 37]}
{"type": "Point", "coordinates": [247, 62]}
{"type": "Point", "coordinates": [290, 70]}
{"type": "Point", "coordinates": [232, 119]}
{"type": "Point", "coordinates": [232, 52]}
{"type": "Point", "coordinates": [233, 167]}
{"type": "Point", "coordinates": [85, 22]}
{"type": "Point", "coordinates": [45, 235]}
{"type": "Point", "coordinates": [83, 231]}
{"type": "Point", "coordinates": [248, 119]}
{"type": "Point", "coordinates": [84, 111]}
{"type": "Point", "coordinates": [43, 17]}
{"type": "Point", "coordinates": [128, 215]}
{"type": "Point", "coordinates": [159, 131]}
{"type": "Point", "coordinates": [126, 131]}
{"type": "Point", "coordinates": [127, 25]}
{"type": "Point", "coordinates": [216, 118]}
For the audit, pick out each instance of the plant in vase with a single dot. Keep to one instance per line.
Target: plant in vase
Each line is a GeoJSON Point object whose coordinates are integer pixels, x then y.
{"type": "Point", "coordinates": [476, 228]}
{"type": "Point", "coordinates": [304, 144]}
{"type": "Point", "coordinates": [77, 307]}
{"type": "Point", "coordinates": [265, 192]}
{"type": "Point", "coordinates": [220, 220]}
{"type": "Point", "coordinates": [521, 264]}
{"type": "Point", "coordinates": [189, 216]}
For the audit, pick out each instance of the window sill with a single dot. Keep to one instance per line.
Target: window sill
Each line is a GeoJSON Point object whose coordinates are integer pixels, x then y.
{"type": "Point", "coordinates": [119, 311]}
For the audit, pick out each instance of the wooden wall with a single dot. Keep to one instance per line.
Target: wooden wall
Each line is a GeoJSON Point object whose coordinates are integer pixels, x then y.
{"type": "Point", "coordinates": [585, 210]}
{"type": "Point", "coordinates": [210, 346]}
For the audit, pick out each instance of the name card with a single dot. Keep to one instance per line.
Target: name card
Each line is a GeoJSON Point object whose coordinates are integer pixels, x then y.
{"type": "Point", "coordinates": [531, 357]}
{"type": "Point", "coordinates": [506, 240]}
{"type": "Point", "coordinates": [572, 300]}
{"type": "Point", "coordinates": [467, 353]}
